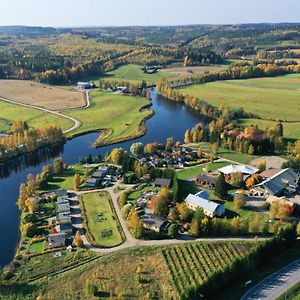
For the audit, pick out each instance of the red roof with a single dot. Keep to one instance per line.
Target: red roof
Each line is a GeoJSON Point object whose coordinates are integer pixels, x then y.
{"type": "Point", "coordinates": [270, 173]}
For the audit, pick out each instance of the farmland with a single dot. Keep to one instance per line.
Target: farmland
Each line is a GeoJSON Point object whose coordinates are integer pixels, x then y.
{"type": "Point", "coordinates": [191, 265]}
{"type": "Point", "coordinates": [34, 117]}
{"type": "Point", "coordinates": [33, 93]}
{"type": "Point", "coordinates": [120, 114]}
{"type": "Point", "coordinates": [268, 98]}
{"type": "Point", "coordinates": [132, 73]}
{"type": "Point", "coordinates": [101, 220]}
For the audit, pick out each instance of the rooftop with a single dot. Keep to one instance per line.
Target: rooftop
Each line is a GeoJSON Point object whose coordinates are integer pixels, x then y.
{"type": "Point", "coordinates": [201, 202]}
{"type": "Point", "coordinates": [163, 182]}
{"type": "Point", "coordinates": [238, 168]}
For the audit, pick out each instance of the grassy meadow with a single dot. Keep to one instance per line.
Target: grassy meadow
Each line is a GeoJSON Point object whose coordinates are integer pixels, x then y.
{"type": "Point", "coordinates": [120, 114]}
{"type": "Point", "coordinates": [34, 117]}
{"type": "Point", "coordinates": [274, 98]}
{"type": "Point", "coordinates": [96, 204]}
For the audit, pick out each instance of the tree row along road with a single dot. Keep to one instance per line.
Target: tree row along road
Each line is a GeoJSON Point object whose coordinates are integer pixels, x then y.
{"type": "Point", "coordinates": [76, 122]}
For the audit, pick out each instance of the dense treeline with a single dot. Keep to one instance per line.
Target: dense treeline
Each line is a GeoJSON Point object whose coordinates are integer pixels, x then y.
{"type": "Point", "coordinates": [24, 139]}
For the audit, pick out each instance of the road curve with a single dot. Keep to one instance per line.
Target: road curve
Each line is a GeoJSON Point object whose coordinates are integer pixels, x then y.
{"type": "Point", "coordinates": [76, 122]}
{"type": "Point", "coordinates": [130, 241]}
{"type": "Point", "coordinates": [276, 284]}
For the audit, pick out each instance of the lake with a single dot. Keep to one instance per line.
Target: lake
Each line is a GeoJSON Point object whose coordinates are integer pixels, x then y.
{"type": "Point", "coordinates": [170, 119]}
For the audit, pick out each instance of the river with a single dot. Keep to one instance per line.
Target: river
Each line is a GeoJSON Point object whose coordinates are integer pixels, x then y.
{"type": "Point", "coordinates": [170, 119]}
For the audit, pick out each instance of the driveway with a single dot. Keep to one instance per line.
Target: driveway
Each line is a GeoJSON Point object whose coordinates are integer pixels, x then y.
{"type": "Point", "coordinates": [276, 284]}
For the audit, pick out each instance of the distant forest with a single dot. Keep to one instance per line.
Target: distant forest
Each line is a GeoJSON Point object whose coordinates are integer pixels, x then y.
{"type": "Point", "coordinates": [56, 55]}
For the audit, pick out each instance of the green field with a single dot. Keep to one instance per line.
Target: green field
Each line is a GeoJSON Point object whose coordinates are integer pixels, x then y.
{"type": "Point", "coordinates": [34, 117]}
{"type": "Point", "coordinates": [118, 113]}
{"type": "Point", "coordinates": [95, 204]}
{"type": "Point", "coordinates": [65, 181]}
{"type": "Point", "coordinates": [134, 73]}
{"type": "Point", "coordinates": [269, 98]}
{"type": "Point", "coordinates": [193, 172]}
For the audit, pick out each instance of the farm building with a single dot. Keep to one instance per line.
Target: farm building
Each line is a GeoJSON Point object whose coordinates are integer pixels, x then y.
{"type": "Point", "coordinates": [284, 182]}
{"type": "Point", "coordinates": [85, 85]}
{"type": "Point", "coordinates": [210, 208]}
{"type": "Point", "coordinates": [162, 182]}
{"type": "Point", "coordinates": [247, 171]}
{"type": "Point", "coordinates": [205, 180]}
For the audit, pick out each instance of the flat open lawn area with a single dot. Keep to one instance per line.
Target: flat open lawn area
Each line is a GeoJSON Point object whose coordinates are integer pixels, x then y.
{"type": "Point", "coordinates": [179, 70]}
{"type": "Point", "coordinates": [276, 98]}
{"type": "Point", "coordinates": [34, 117]}
{"type": "Point", "coordinates": [135, 73]}
{"type": "Point", "coordinates": [66, 180]}
{"type": "Point", "coordinates": [118, 113]}
{"type": "Point", "coordinates": [37, 94]}
{"type": "Point", "coordinates": [101, 219]}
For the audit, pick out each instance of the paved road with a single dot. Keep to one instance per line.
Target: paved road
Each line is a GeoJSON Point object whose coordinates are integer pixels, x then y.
{"type": "Point", "coordinates": [276, 284]}
{"type": "Point", "coordinates": [76, 122]}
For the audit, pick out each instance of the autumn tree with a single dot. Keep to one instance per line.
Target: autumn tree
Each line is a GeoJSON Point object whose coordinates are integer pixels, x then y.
{"type": "Point", "coordinates": [255, 224]}
{"type": "Point", "coordinates": [23, 196]}
{"type": "Point", "coordinates": [137, 149]}
{"type": "Point", "coordinates": [235, 225]}
{"type": "Point", "coordinates": [135, 224]}
{"type": "Point", "coordinates": [169, 143]}
{"type": "Point", "coordinates": [31, 204]}
{"type": "Point", "coordinates": [237, 179]}
{"type": "Point", "coordinates": [195, 227]}
{"type": "Point", "coordinates": [78, 242]}
{"type": "Point", "coordinates": [262, 165]}
{"type": "Point", "coordinates": [239, 200]}
{"type": "Point", "coordinates": [58, 165]}
{"type": "Point", "coordinates": [77, 181]}
{"type": "Point", "coordinates": [187, 137]}
{"type": "Point", "coordinates": [184, 212]}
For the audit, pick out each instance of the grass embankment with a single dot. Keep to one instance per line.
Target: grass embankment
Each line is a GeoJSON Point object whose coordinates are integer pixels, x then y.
{"type": "Point", "coordinates": [119, 115]}
{"type": "Point", "coordinates": [292, 293]}
{"type": "Point", "coordinates": [34, 117]}
{"type": "Point", "coordinates": [101, 220]}
{"type": "Point", "coordinates": [269, 98]}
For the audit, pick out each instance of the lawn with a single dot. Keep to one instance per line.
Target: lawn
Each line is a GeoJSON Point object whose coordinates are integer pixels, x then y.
{"type": "Point", "coordinates": [269, 98]}
{"type": "Point", "coordinates": [101, 220]}
{"type": "Point", "coordinates": [136, 194]}
{"type": "Point", "coordinates": [37, 247]}
{"type": "Point", "coordinates": [193, 172]}
{"type": "Point", "coordinates": [120, 114]}
{"type": "Point", "coordinates": [34, 117]}
{"type": "Point", "coordinates": [66, 180]}
{"type": "Point", "coordinates": [134, 73]}
{"type": "Point", "coordinates": [37, 94]}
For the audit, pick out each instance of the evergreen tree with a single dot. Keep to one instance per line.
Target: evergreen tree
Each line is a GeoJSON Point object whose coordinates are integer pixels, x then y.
{"type": "Point", "coordinates": [221, 188]}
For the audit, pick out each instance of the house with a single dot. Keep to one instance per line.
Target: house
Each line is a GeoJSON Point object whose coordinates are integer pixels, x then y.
{"type": "Point", "coordinates": [62, 194]}
{"type": "Point", "coordinates": [123, 90]}
{"type": "Point", "coordinates": [154, 223]}
{"type": "Point", "coordinates": [56, 240]}
{"type": "Point", "coordinates": [63, 208]}
{"type": "Point", "coordinates": [85, 85]}
{"type": "Point", "coordinates": [271, 172]}
{"type": "Point", "coordinates": [205, 180]}
{"type": "Point", "coordinates": [103, 170]}
{"type": "Point", "coordinates": [92, 182]}
{"type": "Point", "coordinates": [98, 175]}
{"type": "Point", "coordinates": [284, 182]}
{"type": "Point", "coordinates": [210, 208]}
{"type": "Point", "coordinates": [162, 182]}
{"type": "Point", "coordinates": [66, 228]}
{"type": "Point", "coordinates": [202, 194]}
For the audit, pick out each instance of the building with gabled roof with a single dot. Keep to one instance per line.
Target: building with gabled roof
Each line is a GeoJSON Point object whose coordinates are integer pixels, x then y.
{"type": "Point", "coordinates": [210, 208]}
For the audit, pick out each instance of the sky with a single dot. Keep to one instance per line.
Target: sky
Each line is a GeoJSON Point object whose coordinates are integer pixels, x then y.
{"type": "Point", "coordinates": [69, 13]}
